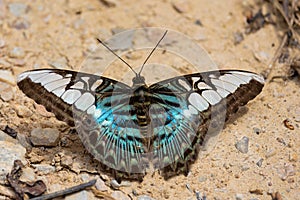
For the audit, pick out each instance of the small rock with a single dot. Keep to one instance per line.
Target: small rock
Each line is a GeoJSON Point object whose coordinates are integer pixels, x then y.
{"type": "Point", "coordinates": [256, 191]}
{"type": "Point", "coordinates": [23, 111]}
{"type": "Point", "coordinates": [293, 157]}
{"type": "Point", "coordinates": [42, 110]}
{"type": "Point", "coordinates": [270, 153]}
{"type": "Point", "coordinates": [24, 141]}
{"type": "Point", "coordinates": [17, 52]}
{"type": "Point", "coordinates": [10, 150]}
{"type": "Point", "coordinates": [67, 161]}
{"type": "Point", "coordinates": [43, 169]}
{"type": "Point", "coordinates": [6, 92]}
{"type": "Point", "coordinates": [7, 77]}
{"type": "Point", "coordinates": [242, 145]}
{"type": "Point", "coordinates": [20, 24]}
{"type": "Point", "coordinates": [259, 163]}
{"type": "Point", "coordinates": [100, 185]}
{"type": "Point", "coordinates": [237, 38]}
{"type": "Point", "coordinates": [286, 171]}
{"type": "Point", "coordinates": [18, 9]}
{"type": "Point", "coordinates": [110, 3]}
{"type": "Point", "coordinates": [198, 22]}
{"type": "Point", "coordinates": [119, 195]}
{"type": "Point", "coordinates": [180, 6]}
{"type": "Point", "coordinates": [144, 197]}
{"type": "Point", "coordinates": [261, 56]}
{"type": "Point", "coordinates": [28, 175]}
{"type": "Point", "coordinates": [239, 196]}
{"type": "Point", "coordinates": [82, 195]}
{"type": "Point", "coordinates": [202, 179]}
{"type": "Point", "coordinates": [2, 43]}
{"type": "Point", "coordinates": [114, 184]}
{"type": "Point", "coordinates": [44, 137]}
{"type": "Point", "coordinates": [256, 130]}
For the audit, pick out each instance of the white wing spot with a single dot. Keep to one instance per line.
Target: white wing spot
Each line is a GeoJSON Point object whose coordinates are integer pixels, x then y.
{"type": "Point", "coordinates": [30, 74]}
{"type": "Point", "coordinates": [59, 91]}
{"type": "Point", "coordinates": [70, 96]}
{"type": "Point", "coordinates": [195, 79]}
{"type": "Point", "coordinates": [50, 78]}
{"type": "Point", "coordinates": [223, 93]}
{"type": "Point", "coordinates": [224, 85]}
{"type": "Point", "coordinates": [203, 86]}
{"type": "Point", "coordinates": [91, 110]}
{"type": "Point", "coordinates": [78, 85]}
{"type": "Point", "coordinates": [85, 101]}
{"type": "Point", "coordinates": [57, 84]}
{"type": "Point", "coordinates": [68, 76]}
{"type": "Point", "coordinates": [37, 78]}
{"type": "Point", "coordinates": [211, 96]}
{"type": "Point", "coordinates": [184, 84]}
{"type": "Point", "coordinates": [231, 79]}
{"type": "Point", "coordinates": [96, 84]}
{"type": "Point", "coordinates": [198, 101]}
{"type": "Point", "coordinates": [190, 111]}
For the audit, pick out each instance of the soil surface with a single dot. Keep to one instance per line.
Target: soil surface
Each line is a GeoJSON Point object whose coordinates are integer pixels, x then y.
{"type": "Point", "coordinates": [61, 34]}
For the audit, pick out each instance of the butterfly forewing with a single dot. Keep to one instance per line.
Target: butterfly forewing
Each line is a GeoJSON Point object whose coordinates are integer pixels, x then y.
{"type": "Point", "coordinates": [126, 128]}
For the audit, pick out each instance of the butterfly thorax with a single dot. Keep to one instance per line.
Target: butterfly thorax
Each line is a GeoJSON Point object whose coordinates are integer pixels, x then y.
{"type": "Point", "coordinates": [140, 100]}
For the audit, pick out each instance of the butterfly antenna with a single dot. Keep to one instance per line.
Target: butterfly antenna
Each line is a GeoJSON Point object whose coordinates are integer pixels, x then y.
{"type": "Point", "coordinates": [152, 51]}
{"type": "Point", "coordinates": [116, 55]}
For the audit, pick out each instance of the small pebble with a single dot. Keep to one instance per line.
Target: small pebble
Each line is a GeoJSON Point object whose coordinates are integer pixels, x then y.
{"type": "Point", "coordinates": [202, 179]}
{"type": "Point", "coordinates": [180, 6]}
{"type": "Point", "coordinates": [238, 37]}
{"type": "Point", "coordinates": [43, 169]}
{"type": "Point", "coordinates": [20, 24]}
{"type": "Point", "coordinates": [6, 92]}
{"type": "Point", "coordinates": [24, 141]}
{"type": "Point", "coordinates": [115, 185]}
{"type": "Point", "coordinates": [144, 197]}
{"type": "Point", "coordinates": [18, 9]}
{"type": "Point", "coordinates": [67, 161]}
{"type": "Point", "coordinates": [82, 195]}
{"type": "Point", "coordinates": [286, 171]}
{"type": "Point", "coordinates": [257, 131]}
{"type": "Point", "coordinates": [100, 185]}
{"type": "Point", "coordinates": [293, 157]}
{"type": "Point", "coordinates": [28, 175]}
{"type": "Point", "coordinates": [239, 196]}
{"type": "Point", "coordinates": [17, 52]}
{"type": "Point", "coordinates": [7, 77]}
{"type": "Point", "coordinates": [44, 137]}
{"type": "Point", "coordinates": [10, 150]}
{"type": "Point", "coordinates": [110, 3]}
{"type": "Point", "coordinates": [270, 153]}
{"type": "Point", "coordinates": [242, 145]}
{"type": "Point", "coordinates": [119, 195]}
{"type": "Point", "coordinates": [23, 111]}
{"type": "Point", "coordinates": [42, 110]}
{"type": "Point", "coordinates": [198, 22]}
{"type": "Point", "coordinates": [256, 191]}
{"type": "Point", "coordinates": [259, 163]}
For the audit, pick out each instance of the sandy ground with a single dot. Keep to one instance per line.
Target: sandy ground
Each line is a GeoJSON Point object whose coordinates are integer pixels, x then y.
{"type": "Point", "coordinates": [62, 33]}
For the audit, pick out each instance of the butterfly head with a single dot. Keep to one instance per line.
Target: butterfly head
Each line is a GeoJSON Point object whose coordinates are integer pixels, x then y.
{"type": "Point", "coordinates": [138, 80]}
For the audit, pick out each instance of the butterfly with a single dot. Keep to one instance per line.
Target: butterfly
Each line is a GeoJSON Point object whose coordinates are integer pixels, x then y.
{"type": "Point", "coordinates": [131, 128]}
